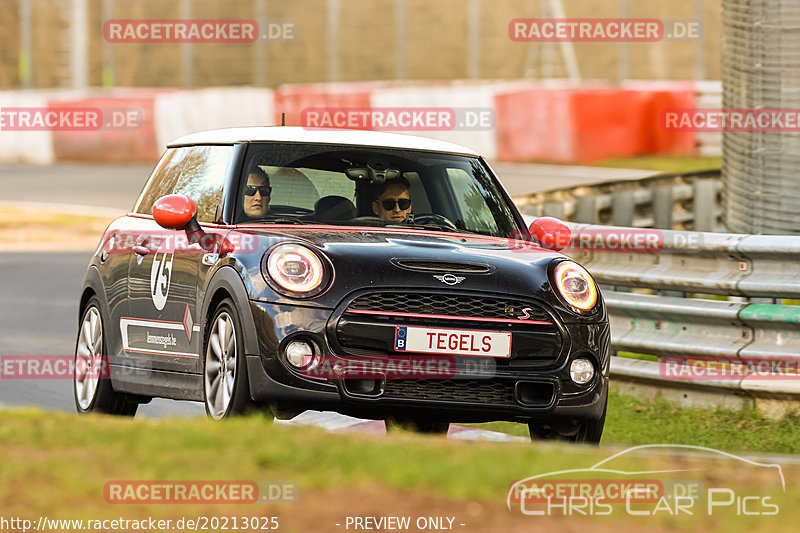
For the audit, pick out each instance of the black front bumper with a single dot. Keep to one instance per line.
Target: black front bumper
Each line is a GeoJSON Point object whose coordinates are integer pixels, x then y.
{"type": "Point", "coordinates": [504, 393]}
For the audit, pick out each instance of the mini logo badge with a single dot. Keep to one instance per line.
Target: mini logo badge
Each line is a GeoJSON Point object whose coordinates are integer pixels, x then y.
{"type": "Point", "coordinates": [161, 275]}
{"type": "Point", "coordinates": [450, 279]}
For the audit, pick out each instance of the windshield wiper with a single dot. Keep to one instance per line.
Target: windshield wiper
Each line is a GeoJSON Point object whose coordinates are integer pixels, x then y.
{"type": "Point", "coordinates": [434, 227]}
{"type": "Point", "coordinates": [281, 221]}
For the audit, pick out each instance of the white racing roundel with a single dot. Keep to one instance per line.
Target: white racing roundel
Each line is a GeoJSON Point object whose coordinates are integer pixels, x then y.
{"type": "Point", "coordinates": [161, 274]}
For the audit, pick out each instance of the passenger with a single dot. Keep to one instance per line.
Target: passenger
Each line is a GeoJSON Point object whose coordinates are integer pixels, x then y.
{"type": "Point", "coordinates": [257, 193]}
{"type": "Point", "coordinates": [392, 201]}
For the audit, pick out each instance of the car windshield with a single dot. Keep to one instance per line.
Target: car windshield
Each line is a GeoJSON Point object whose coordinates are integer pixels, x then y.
{"type": "Point", "coordinates": [363, 186]}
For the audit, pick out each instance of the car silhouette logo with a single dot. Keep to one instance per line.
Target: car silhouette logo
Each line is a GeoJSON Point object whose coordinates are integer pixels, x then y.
{"type": "Point", "coordinates": [450, 279]}
{"type": "Point", "coordinates": [606, 468]}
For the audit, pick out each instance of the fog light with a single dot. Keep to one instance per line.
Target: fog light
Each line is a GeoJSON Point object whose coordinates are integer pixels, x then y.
{"type": "Point", "coordinates": [300, 354]}
{"type": "Point", "coordinates": [581, 371]}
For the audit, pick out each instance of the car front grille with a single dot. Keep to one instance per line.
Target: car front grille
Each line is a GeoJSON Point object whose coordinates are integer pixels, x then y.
{"type": "Point", "coordinates": [483, 391]}
{"type": "Point", "coordinates": [368, 323]}
{"type": "Point", "coordinates": [449, 305]}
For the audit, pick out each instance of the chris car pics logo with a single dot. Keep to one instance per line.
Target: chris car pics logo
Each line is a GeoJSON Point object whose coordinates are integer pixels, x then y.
{"type": "Point", "coordinates": [696, 487]}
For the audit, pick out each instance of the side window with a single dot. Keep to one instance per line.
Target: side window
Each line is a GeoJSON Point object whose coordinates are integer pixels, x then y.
{"type": "Point", "coordinates": [471, 202]}
{"type": "Point", "coordinates": [202, 178]}
{"type": "Point", "coordinates": [163, 179]}
{"type": "Point", "coordinates": [198, 172]}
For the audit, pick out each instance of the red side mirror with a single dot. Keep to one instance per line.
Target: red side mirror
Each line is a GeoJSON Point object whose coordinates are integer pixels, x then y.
{"type": "Point", "coordinates": [174, 211]}
{"type": "Point", "coordinates": [551, 232]}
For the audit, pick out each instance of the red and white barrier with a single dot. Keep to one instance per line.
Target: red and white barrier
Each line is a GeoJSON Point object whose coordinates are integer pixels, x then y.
{"type": "Point", "coordinates": [30, 147]}
{"type": "Point", "coordinates": [291, 100]}
{"type": "Point", "coordinates": [115, 142]}
{"type": "Point", "coordinates": [472, 96]}
{"type": "Point", "coordinates": [181, 112]}
{"type": "Point", "coordinates": [551, 120]}
{"type": "Point", "coordinates": [579, 125]}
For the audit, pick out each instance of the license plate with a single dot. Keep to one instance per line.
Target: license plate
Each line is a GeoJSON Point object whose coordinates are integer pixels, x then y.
{"type": "Point", "coordinates": [452, 341]}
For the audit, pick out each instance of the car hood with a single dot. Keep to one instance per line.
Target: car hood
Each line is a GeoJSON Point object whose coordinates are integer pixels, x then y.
{"type": "Point", "coordinates": [364, 258]}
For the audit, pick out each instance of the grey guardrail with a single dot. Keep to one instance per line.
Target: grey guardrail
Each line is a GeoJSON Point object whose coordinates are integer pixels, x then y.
{"type": "Point", "coordinates": [695, 294]}
{"type": "Point", "coordinates": [755, 266]}
{"type": "Point", "coordinates": [663, 299]}
{"type": "Point", "coordinates": [690, 200]}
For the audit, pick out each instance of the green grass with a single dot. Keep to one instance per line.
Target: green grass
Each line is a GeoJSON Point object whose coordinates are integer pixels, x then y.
{"type": "Point", "coordinates": [78, 455]}
{"type": "Point", "coordinates": [639, 356]}
{"type": "Point", "coordinates": [57, 464]}
{"type": "Point", "coordinates": [12, 218]}
{"type": "Point", "coordinates": [663, 163]}
{"type": "Point", "coordinates": [635, 421]}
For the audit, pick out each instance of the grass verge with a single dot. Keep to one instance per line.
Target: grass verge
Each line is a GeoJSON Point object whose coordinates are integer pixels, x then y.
{"type": "Point", "coordinates": [57, 464]}
{"type": "Point", "coordinates": [634, 421]}
{"type": "Point", "coordinates": [28, 230]}
{"type": "Point", "coordinates": [663, 163]}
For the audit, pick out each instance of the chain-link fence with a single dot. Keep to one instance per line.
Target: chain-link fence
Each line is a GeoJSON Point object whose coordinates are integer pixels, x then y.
{"type": "Point", "coordinates": [761, 71]}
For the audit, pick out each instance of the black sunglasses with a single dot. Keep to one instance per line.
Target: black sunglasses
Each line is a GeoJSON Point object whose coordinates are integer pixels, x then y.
{"type": "Point", "coordinates": [389, 203]}
{"type": "Point", "coordinates": [250, 190]}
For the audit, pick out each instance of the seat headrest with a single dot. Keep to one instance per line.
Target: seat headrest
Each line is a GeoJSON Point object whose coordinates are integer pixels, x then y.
{"type": "Point", "coordinates": [334, 208]}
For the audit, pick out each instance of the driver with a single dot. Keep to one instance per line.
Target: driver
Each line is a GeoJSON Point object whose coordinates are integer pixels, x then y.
{"type": "Point", "coordinates": [392, 201]}
{"type": "Point", "coordinates": [256, 194]}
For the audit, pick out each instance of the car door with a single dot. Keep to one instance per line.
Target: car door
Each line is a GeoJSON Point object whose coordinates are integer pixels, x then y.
{"type": "Point", "coordinates": [163, 329]}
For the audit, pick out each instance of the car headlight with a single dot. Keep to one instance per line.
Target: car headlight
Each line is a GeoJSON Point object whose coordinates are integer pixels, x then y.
{"type": "Point", "coordinates": [301, 354]}
{"type": "Point", "coordinates": [295, 268]}
{"type": "Point", "coordinates": [581, 371]}
{"type": "Point", "coordinates": [575, 286]}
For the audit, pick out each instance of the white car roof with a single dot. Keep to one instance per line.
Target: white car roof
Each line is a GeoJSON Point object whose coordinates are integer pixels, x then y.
{"type": "Point", "coordinates": [321, 136]}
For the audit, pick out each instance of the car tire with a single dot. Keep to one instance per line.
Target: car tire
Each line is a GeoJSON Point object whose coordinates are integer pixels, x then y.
{"type": "Point", "coordinates": [91, 383]}
{"type": "Point", "coordinates": [424, 425]}
{"type": "Point", "coordinates": [226, 390]}
{"type": "Point", "coordinates": [588, 432]}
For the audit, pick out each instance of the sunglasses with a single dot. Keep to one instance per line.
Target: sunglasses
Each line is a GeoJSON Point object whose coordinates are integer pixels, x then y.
{"type": "Point", "coordinates": [250, 190]}
{"type": "Point", "coordinates": [389, 203]}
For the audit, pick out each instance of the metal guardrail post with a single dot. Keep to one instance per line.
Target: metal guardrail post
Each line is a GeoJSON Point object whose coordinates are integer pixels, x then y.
{"type": "Point", "coordinates": [663, 204]}
{"type": "Point", "coordinates": [705, 205]}
{"type": "Point", "coordinates": [553, 209]}
{"type": "Point", "coordinates": [656, 201]}
{"type": "Point", "coordinates": [622, 208]}
{"type": "Point", "coordinates": [586, 210]}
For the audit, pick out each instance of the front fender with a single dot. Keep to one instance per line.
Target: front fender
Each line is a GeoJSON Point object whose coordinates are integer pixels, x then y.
{"type": "Point", "coordinates": [227, 279]}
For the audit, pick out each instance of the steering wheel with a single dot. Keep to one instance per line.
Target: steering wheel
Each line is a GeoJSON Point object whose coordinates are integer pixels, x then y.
{"type": "Point", "coordinates": [434, 219]}
{"type": "Point", "coordinates": [289, 210]}
{"type": "Point", "coordinates": [370, 219]}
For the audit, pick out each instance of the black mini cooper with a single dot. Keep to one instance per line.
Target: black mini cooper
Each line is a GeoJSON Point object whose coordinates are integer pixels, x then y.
{"type": "Point", "coordinates": [378, 275]}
